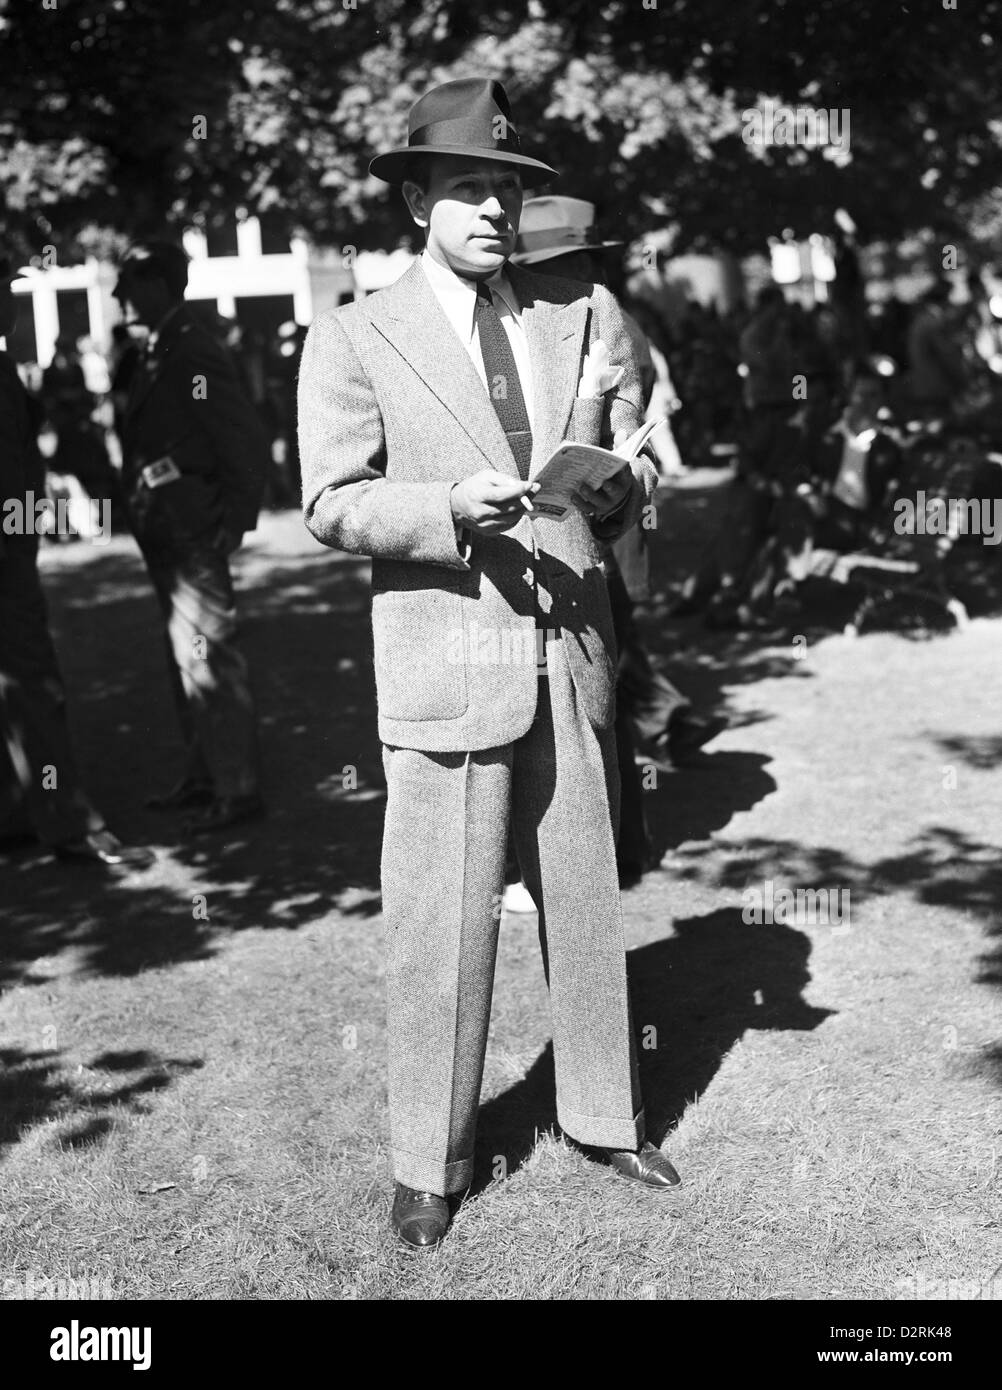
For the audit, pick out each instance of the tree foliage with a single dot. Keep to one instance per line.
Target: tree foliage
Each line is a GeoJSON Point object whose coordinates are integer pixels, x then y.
{"type": "Point", "coordinates": [643, 109]}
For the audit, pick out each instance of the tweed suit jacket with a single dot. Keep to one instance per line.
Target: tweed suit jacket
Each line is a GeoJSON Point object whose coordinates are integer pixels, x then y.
{"type": "Point", "coordinates": [391, 415]}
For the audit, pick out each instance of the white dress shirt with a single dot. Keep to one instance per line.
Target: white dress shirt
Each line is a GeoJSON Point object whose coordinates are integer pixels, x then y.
{"type": "Point", "coordinates": [458, 298]}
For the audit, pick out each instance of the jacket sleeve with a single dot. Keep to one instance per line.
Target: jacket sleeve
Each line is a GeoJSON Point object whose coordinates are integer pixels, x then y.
{"type": "Point", "coordinates": [236, 434]}
{"type": "Point", "coordinates": [348, 502]}
{"type": "Point", "coordinates": [623, 411]}
{"type": "Point", "coordinates": [13, 465]}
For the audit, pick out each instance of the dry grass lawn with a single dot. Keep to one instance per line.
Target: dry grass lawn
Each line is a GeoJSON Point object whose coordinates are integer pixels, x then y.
{"type": "Point", "coordinates": [194, 1109]}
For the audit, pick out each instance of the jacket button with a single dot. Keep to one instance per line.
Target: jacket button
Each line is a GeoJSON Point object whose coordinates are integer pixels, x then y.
{"type": "Point", "coordinates": [529, 577]}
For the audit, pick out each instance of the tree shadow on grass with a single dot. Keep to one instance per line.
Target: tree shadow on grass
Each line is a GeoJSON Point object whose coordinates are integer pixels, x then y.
{"type": "Point", "coordinates": [981, 753]}
{"type": "Point", "coordinates": [717, 977]}
{"type": "Point", "coordinates": [37, 1087]}
{"type": "Point", "coordinates": [306, 636]}
{"type": "Point", "coordinates": [697, 993]}
{"type": "Point", "coordinates": [942, 867]}
{"type": "Point", "coordinates": [696, 801]}
{"type": "Point", "coordinates": [694, 995]}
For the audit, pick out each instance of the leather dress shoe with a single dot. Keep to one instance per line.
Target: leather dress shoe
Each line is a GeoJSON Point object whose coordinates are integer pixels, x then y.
{"type": "Point", "coordinates": [102, 847]}
{"type": "Point", "coordinates": [185, 794]}
{"type": "Point", "coordinates": [419, 1218]}
{"type": "Point", "coordinates": [648, 1166]}
{"type": "Point", "coordinates": [224, 811]}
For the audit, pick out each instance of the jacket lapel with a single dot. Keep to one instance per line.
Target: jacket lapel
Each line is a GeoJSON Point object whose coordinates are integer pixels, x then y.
{"type": "Point", "coordinates": [410, 318]}
{"type": "Point", "coordinates": [150, 368]}
{"type": "Point", "coordinates": [555, 334]}
{"type": "Point", "coordinates": [142, 384]}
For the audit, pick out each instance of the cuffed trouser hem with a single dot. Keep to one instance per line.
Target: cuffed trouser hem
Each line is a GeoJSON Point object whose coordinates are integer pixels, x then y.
{"type": "Point", "coordinates": [602, 1132]}
{"type": "Point", "coordinates": [428, 1175]}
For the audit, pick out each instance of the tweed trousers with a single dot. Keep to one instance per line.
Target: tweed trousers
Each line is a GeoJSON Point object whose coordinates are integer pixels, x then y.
{"type": "Point", "coordinates": [443, 862]}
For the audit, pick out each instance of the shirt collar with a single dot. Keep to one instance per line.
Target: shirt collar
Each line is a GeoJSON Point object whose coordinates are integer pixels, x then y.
{"type": "Point", "coordinates": [459, 296]}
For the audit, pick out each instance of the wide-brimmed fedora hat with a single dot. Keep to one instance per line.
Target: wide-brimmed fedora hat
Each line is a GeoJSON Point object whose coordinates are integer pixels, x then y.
{"type": "Point", "coordinates": [552, 227]}
{"type": "Point", "coordinates": [471, 116]}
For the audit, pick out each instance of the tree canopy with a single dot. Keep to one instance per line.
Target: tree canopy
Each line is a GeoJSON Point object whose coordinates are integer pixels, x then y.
{"type": "Point", "coordinates": [134, 116]}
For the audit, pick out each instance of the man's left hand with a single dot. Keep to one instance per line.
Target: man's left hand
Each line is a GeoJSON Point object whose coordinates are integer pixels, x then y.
{"type": "Point", "coordinates": [599, 503]}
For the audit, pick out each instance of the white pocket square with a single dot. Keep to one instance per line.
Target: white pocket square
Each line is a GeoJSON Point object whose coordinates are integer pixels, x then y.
{"type": "Point", "coordinates": [598, 375]}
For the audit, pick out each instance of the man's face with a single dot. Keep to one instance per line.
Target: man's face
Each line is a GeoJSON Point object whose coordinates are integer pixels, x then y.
{"type": "Point", "coordinates": [143, 300]}
{"type": "Point", "coordinates": [471, 208]}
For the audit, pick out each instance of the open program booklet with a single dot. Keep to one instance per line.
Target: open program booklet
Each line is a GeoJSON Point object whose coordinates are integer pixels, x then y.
{"type": "Point", "coordinates": [572, 464]}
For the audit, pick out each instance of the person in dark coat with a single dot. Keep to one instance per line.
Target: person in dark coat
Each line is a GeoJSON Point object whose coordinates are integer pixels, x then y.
{"type": "Point", "coordinates": [40, 789]}
{"type": "Point", "coordinates": [194, 463]}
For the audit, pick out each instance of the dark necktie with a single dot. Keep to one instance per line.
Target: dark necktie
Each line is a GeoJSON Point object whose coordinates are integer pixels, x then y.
{"type": "Point", "coordinates": [503, 384]}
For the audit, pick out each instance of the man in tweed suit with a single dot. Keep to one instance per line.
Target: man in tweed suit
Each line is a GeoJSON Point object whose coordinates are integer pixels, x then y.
{"type": "Point", "coordinates": [424, 412]}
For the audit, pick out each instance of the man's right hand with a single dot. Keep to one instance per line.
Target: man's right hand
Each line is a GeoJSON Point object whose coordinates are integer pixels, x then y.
{"type": "Point", "coordinates": [490, 502]}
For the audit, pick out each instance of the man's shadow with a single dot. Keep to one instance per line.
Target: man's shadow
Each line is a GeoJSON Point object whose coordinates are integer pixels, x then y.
{"type": "Point", "coordinates": [694, 995]}
{"type": "Point", "coordinates": [695, 801]}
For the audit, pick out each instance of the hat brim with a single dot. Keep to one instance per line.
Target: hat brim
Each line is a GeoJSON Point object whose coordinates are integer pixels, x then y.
{"type": "Point", "coordinates": [392, 167]}
{"type": "Point", "coordinates": [550, 253]}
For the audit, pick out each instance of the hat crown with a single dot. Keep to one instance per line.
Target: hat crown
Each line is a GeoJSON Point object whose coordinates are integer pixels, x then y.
{"type": "Point", "coordinates": [473, 111]}
{"type": "Point", "coordinates": [553, 226]}
{"type": "Point", "coordinates": [470, 116]}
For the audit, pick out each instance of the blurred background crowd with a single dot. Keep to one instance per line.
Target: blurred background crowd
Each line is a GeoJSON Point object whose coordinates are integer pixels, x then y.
{"type": "Point", "coordinates": [725, 368]}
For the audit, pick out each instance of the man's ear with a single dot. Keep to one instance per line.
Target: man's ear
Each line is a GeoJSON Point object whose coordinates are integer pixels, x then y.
{"type": "Point", "coordinates": [414, 197]}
